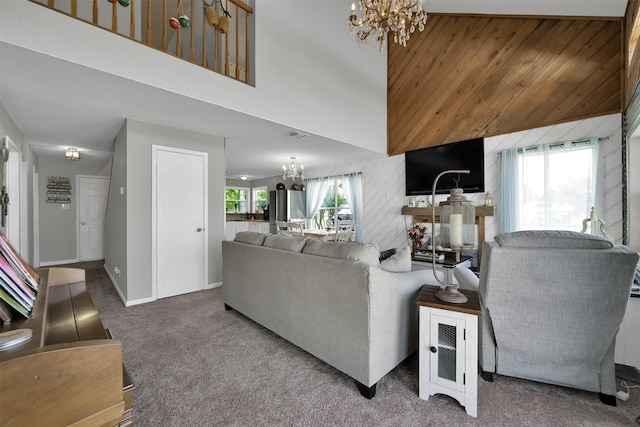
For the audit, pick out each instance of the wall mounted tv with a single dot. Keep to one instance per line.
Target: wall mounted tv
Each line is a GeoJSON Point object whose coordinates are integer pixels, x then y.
{"type": "Point", "coordinates": [423, 166]}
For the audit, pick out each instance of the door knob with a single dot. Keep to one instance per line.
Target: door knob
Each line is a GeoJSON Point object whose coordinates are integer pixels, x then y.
{"type": "Point", "coordinates": [198, 229]}
{"type": "Point", "coordinates": [82, 223]}
{"type": "Point", "coordinates": [433, 350]}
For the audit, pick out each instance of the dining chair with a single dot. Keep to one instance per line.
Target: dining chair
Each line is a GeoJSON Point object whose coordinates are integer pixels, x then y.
{"type": "Point", "coordinates": [344, 231]}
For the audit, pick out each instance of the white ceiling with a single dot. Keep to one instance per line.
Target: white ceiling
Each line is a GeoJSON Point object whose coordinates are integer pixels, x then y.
{"type": "Point", "coordinates": [53, 114]}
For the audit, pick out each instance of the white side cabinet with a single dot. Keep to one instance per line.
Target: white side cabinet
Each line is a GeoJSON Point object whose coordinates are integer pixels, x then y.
{"type": "Point", "coordinates": [448, 348]}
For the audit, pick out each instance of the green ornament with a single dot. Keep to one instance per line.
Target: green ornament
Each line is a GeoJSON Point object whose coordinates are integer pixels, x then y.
{"type": "Point", "coordinates": [124, 3]}
{"type": "Point", "coordinates": [184, 21]}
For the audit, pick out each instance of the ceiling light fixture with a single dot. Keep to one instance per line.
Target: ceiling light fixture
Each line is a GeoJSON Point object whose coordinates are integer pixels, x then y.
{"type": "Point", "coordinates": [72, 154]}
{"type": "Point", "coordinates": [400, 17]}
{"type": "Point", "coordinates": [243, 177]}
{"type": "Point", "coordinates": [292, 171]}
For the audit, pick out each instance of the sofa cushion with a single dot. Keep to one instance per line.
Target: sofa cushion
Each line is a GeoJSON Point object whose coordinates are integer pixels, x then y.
{"type": "Point", "coordinates": [367, 253]}
{"type": "Point", "coordinates": [400, 262]}
{"type": "Point", "coordinates": [285, 242]}
{"type": "Point", "coordinates": [552, 239]}
{"type": "Point", "coordinates": [251, 237]}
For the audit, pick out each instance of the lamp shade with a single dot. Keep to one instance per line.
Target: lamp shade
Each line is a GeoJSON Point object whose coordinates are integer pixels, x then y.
{"type": "Point", "coordinates": [457, 221]}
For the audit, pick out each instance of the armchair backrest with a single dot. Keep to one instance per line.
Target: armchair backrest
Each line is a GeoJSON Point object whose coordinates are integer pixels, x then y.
{"type": "Point", "coordinates": [554, 296]}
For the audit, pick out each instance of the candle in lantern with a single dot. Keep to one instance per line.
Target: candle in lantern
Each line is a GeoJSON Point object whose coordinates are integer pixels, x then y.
{"type": "Point", "coordinates": [455, 222]}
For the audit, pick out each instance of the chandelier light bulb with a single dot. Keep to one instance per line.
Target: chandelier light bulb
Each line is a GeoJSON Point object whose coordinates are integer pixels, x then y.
{"type": "Point", "coordinates": [399, 17]}
{"type": "Point", "coordinates": [293, 171]}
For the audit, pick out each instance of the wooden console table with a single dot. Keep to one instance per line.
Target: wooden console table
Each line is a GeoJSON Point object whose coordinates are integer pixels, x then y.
{"type": "Point", "coordinates": [70, 372]}
{"type": "Point", "coordinates": [423, 215]}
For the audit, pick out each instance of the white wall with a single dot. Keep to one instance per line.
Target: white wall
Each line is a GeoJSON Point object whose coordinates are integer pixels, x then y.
{"type": "Point", "coordinates": [128, 224]}
{"type": "Point", "coordinates": [349, 81]}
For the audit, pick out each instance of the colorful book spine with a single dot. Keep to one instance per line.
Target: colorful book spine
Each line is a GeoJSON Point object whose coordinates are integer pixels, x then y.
{"type": "Point", "coordinates": [23, 269]}
{"type": "Point", "coordinates": [6, 268]}
{"type": "Point", "coordinates": [13, 303]}
{"type": "Point", "coordinates": [15, 292]}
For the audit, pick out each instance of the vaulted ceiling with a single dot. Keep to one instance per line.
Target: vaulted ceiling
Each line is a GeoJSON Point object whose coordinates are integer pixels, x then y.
{"type": "Point", "coordinates": [477, 76]}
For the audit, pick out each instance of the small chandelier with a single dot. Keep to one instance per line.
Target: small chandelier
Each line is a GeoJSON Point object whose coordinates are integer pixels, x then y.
{"type": "Point", "coordinates": [72, 154]}
{"type": "Point", "coordinates": [400, 17]}
{"type": "Point", "coordinates": [292, 171]}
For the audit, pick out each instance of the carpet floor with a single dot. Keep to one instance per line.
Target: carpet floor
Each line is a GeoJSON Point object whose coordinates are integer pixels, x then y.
{"type": "Point", "coordinates": [196, 364]}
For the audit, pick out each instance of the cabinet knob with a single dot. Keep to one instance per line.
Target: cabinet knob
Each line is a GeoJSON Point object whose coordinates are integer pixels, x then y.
{"type": "Point", "coordinates": [198, 229]}
{"type": "Point", "coordinates": [433, 349]}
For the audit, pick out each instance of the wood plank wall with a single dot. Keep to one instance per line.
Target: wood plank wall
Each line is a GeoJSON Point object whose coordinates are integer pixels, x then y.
{"type": "Point", "coordinates": [633, 69]}
{"type": "Point", "coordinates": [471, 76]}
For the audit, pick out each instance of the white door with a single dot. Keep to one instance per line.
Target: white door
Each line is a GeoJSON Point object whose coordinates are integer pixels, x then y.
{"type": "Point", "coordinates": [92, 194]}
{"type": "Point", "coordinates": [179, 221]}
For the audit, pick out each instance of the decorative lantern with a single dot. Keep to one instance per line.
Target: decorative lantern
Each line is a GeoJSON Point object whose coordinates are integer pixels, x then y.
{"type": "Point", "coordinates": [457, 232]}
{"type": "Point", "coordinates": [457, 222]}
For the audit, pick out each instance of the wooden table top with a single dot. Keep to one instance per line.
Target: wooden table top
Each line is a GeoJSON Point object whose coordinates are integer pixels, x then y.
{"type": "Point", "coordinates": [427, 297]}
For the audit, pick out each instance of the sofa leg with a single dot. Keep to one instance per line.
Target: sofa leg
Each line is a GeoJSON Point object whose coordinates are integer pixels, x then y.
{"type": "Point", "coordinates": [367, 392]}
{"type": "Point", "coordinates": [487, 376]}
{"type": "Point", "coordinates": [228, 307]}
{"type": "Point", "coordinates": [607, 399]}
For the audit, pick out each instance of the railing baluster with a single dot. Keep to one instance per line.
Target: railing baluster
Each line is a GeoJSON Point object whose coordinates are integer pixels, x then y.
{"type": "Point", "coordinates": [205, 60]}
{"type": "Point", "coordinates": [149, 41]}
{"type": "Point", "coordinates": [226, 47]}
{"type": "Point", "coordinates": [95, 12]}
{"type": "Point", "coordinates": [132, 24]}
{"type": "Point", "coordinates": [237, 51]}
{"type": "Point", "coordinates": [216, 41]}
{"type": "Point", "coordinates": [51, 4]}
{"type": "Point", "coordinates": [74, 8]}
{"type": "Point", "coordinates": [164, 25]}
{"type": "Point", "coordinates": [114, 17]}
{"type": "Point", "coordinates": [192, 51]}
{"type": "Point", "coordinates": [246, 47]}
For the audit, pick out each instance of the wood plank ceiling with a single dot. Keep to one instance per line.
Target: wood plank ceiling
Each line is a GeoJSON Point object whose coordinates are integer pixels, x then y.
{"type": "Point", "coordinates": [476, 76]}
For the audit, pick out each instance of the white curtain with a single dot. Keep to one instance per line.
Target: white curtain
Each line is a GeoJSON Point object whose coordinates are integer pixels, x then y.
{"type": "Point", "coordinates": [509, 216]}
{"type": "Point", "coordinates": [315, 189]}
{"type": "Point", "coordinates": [352, 184]}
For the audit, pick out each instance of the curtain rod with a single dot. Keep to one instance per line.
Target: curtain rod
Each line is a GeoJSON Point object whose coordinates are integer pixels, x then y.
{"type": "Point", "coordinates": [556, 144]}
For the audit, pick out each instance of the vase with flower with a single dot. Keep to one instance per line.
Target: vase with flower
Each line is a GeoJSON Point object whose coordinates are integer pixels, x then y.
{"type": "Point", "coordinates": [417, 234]}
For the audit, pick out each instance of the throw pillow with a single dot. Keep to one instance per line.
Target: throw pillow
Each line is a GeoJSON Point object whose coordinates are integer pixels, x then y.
{"type": "Point", "coordinates": [366, 253]}
{"type": "Point", "coordinates": [251, 237]}
{"type": "Point", "coordinates": [386, 254]}
{"type": "Point", "coordinates": [400, 262]}
{"type": "Point", "coordinates": [285, 242]}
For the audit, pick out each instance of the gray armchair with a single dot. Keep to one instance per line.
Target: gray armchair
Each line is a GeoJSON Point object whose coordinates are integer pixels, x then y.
{"type": "Point", "coordinates": [552, 303]}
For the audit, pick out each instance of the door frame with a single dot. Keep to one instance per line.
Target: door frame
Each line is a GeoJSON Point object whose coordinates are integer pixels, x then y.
{"type": "Point", "coordinates": [78, 179]}
{"type": "Point", "coordinates": [154, 220]}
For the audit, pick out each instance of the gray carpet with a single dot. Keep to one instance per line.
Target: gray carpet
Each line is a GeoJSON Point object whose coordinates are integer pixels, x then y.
{"type": "Point", "coordinates": [195, 364]}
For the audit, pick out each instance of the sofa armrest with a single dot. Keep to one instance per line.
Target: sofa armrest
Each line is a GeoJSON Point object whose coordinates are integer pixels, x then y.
{"type": "Point", "coordinates": [466, 278]}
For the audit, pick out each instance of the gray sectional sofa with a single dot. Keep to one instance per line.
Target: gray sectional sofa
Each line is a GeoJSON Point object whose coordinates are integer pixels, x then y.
{"type": "Point", "coordinates": [336, 301]}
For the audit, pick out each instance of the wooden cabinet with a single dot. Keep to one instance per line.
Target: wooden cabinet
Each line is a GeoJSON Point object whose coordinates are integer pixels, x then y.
{"type": "Point", "coordinates": [70, 372]}
{"type": "Point", "coordinates": [448, 348]}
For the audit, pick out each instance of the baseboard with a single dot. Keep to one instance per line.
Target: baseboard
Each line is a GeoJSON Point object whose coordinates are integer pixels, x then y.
{"type": "Point", "coordinates": [60, 262]}
{"type": "Point", "coordinates": [628, 373]}
{"type": "Point", "coordinates": [213, 285]}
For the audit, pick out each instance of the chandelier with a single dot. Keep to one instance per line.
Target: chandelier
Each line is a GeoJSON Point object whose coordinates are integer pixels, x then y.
{"type": "Point", "coordinates": [292, 171]}
{"type": "Point", "coordinates": [399, 17]}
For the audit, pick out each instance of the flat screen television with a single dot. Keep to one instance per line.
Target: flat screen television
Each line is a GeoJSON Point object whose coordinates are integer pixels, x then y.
{"type": "Point", "coordinates": [423, 166]}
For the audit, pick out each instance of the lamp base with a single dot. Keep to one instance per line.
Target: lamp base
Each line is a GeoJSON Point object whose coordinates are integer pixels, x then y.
{"type": "Point", "coordinates": [452, 295]}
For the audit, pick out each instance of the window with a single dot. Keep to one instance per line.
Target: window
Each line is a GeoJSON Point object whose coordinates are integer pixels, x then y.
{"type": "Point", "coordinates": [259, 199]}
{"type": "Point", "coordinates": [236, 199]}
{"type": "Point", "coordinates": [335, 203]}
{"type": "Point", "coordinates": [557, 186]}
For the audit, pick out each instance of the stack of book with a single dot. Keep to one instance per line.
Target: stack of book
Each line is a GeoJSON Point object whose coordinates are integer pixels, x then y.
{"type": "Point", "coordinates": [18, 283]}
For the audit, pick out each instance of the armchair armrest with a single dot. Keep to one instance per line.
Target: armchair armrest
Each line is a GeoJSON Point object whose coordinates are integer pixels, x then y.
{"type": "Point", "coordinates": [466, 278]}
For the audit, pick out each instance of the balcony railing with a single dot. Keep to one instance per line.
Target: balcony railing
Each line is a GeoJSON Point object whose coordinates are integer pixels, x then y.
{"type": "Point", "coordinates": [192, 30]}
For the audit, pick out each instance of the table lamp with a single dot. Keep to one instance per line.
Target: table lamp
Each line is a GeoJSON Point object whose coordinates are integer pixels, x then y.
{"type": "Point", "coordinates": [457, 232]}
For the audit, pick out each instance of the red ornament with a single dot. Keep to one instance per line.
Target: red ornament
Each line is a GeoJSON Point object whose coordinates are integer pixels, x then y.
{"type": "Point", "coordinates": [111, 1]}
{"type": "Point", "coordinates": [173, 22]}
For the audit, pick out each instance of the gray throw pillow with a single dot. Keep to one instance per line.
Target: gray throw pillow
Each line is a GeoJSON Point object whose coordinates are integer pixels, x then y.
{"type": "Point", "coordinates": [367, 253]}
{"type": "Point", "coordinates": [251, 237]}
{"type": "Point", "coordinates": [285, 242]}
{"type": "Point", "coordinates": [400, 262]}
